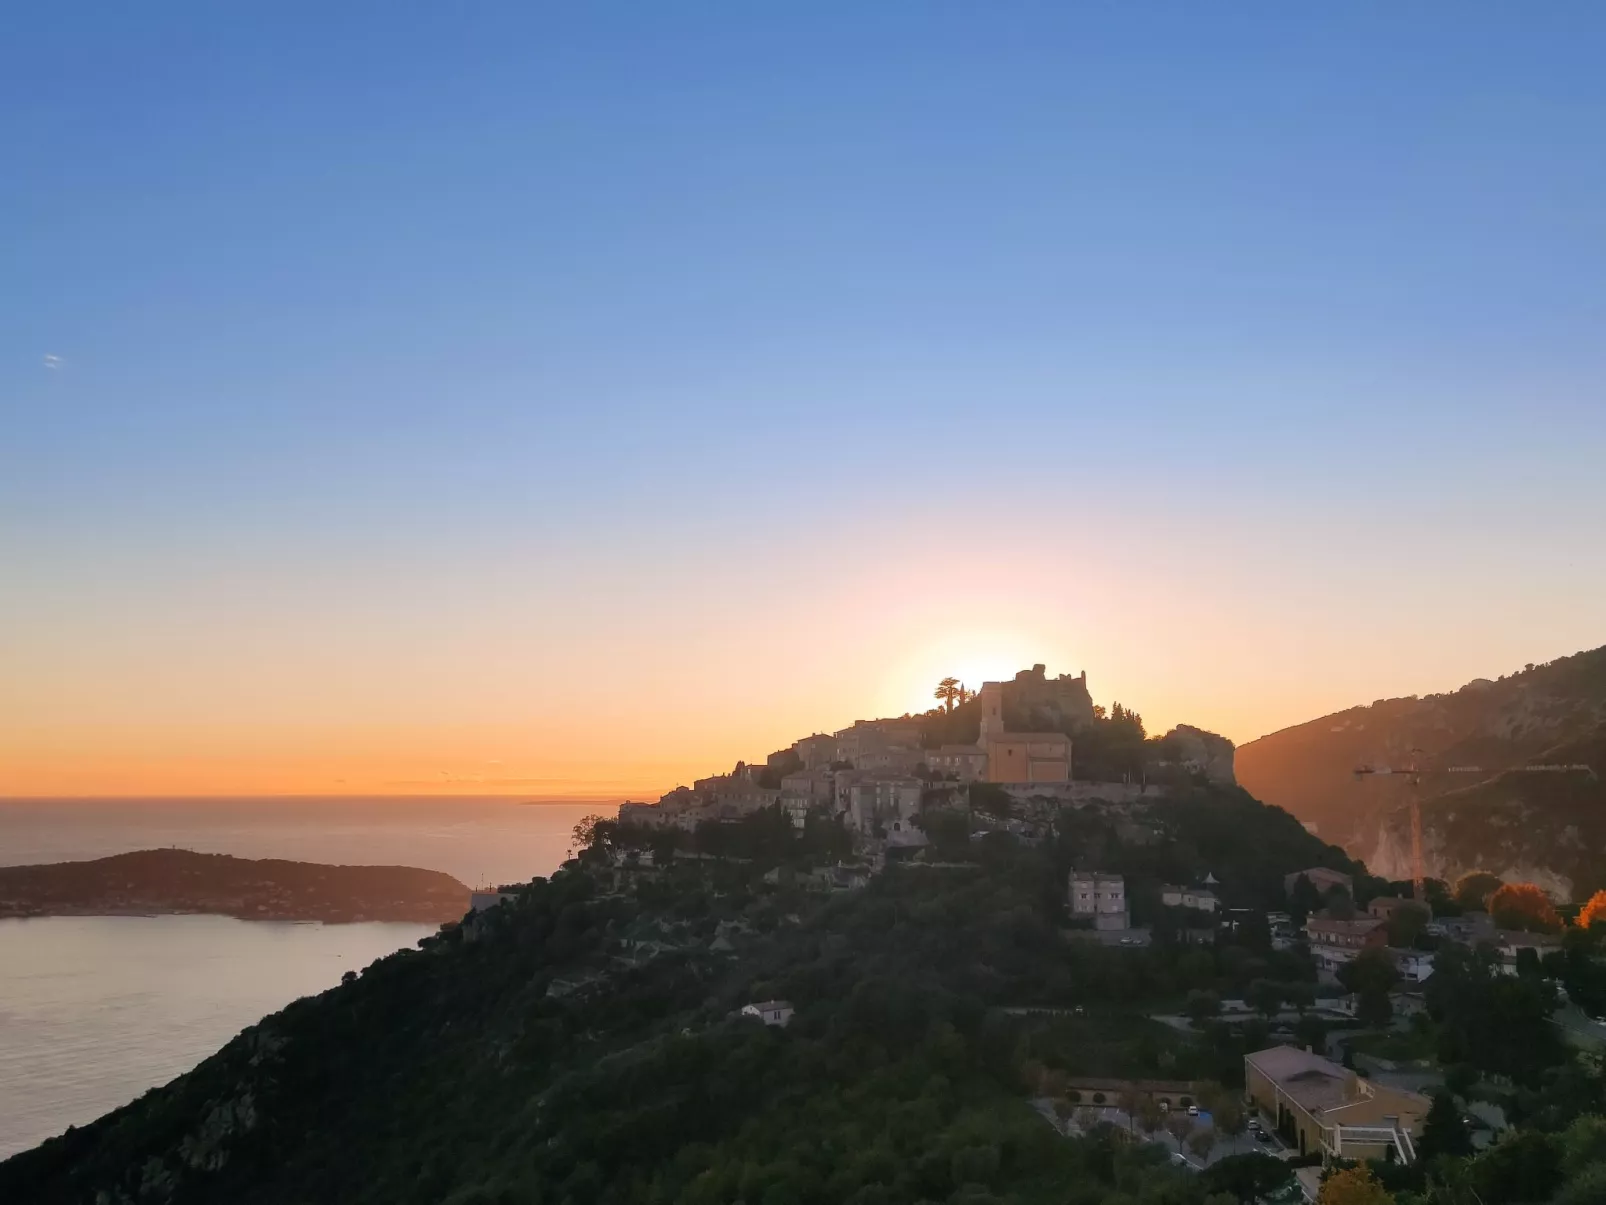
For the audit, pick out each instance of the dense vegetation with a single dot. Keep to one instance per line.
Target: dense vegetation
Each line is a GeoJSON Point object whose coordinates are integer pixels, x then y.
{"type": "Point", "coordinates": [582, 1045]}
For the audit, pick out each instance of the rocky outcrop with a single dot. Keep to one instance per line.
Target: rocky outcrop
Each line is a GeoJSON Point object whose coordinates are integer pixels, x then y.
{"type": "Point", "coordinates": [1199, 752]}
{"type": "Point", "coordinates": [1542, 822]}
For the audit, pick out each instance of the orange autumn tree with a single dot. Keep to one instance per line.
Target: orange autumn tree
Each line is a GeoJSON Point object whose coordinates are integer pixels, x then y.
{"type": "Point", "coordinates": [1524, 906]}
{"type": "Point", "coordinates": [1593, 911]}
{"type": "Point", "coordinates": [1356, 1185]}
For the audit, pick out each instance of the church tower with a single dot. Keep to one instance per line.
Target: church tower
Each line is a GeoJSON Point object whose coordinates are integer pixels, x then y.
{"type": "Point", "coordinates": [992, 710]}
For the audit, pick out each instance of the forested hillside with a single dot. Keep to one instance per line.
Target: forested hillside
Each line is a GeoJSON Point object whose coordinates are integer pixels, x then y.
{"type": "Point", "coordinates": [582, 1043]}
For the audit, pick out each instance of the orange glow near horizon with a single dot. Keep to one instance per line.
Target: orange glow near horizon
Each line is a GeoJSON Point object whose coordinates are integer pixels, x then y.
{"type": "Point", "coordinates": [323, 680]}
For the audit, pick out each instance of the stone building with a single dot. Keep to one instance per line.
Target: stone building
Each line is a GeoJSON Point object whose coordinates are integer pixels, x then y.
{"type": "Point", "coordinates": [967, 763]}
{"type": "Point", "coordinates": [1019, 757]}
{"type": "Point", "coordinates": [1100, 897]}
{"type": "Point", "coordinates": [1036, 699]}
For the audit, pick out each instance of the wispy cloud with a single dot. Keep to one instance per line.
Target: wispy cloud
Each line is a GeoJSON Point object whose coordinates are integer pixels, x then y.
{"type": "Point", "coordinates": [54, 362]}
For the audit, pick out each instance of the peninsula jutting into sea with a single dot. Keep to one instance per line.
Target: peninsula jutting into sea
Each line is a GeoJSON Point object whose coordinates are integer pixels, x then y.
{"type": "Point", "coordinates": [180, 880]}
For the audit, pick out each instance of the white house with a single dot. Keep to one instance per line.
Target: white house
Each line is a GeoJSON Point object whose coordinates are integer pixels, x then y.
{"type": "Point", "coordinates": [1201, 898]}
{"type": "Point", "coordinates": [771, 1012]}
{"type": "Point", "coordinates": [479, 901]}
{"type": "Point", "coordinates": [1414, 965]}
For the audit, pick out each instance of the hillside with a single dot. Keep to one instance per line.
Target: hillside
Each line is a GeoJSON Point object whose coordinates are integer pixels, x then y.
{"type": "Point", "coordinates": [1534, 823]}
{"type": "Point", "coordinates": [583, 1043]}
{"type": "Point", "coordinates": [1492, 725]}
{"type": "Point", "coordinates": [179, 880]}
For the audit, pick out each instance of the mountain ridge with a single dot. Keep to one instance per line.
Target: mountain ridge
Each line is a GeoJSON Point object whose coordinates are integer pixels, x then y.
{"type": "Point", "coordinates": [1458, 740]}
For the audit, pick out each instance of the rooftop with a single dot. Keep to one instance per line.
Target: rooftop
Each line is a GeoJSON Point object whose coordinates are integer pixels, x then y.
{"type": "Point", "coordinates": [1360, 926]}
{"type": "Point", "coordinates": [1311, 1081]}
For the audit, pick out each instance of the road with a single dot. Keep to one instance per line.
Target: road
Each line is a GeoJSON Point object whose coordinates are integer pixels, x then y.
{"type": "Point", "coordinates": [1242, 1144]}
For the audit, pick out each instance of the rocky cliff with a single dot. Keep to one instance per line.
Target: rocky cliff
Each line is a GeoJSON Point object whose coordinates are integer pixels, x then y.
{"type": "Point", "coordinates": [1542, 822]}
{"type": "Point", "coordinates": [1482, 808]}
{"type": "Point", "coordinates": [1199, 752]}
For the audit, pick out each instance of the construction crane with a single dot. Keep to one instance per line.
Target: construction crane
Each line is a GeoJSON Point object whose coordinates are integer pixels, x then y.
{"type": "Point", "coordinates": [1413, 777]}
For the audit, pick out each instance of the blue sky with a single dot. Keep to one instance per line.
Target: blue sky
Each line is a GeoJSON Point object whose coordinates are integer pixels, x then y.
{"type": "Point", "coordinates": [532, 297]}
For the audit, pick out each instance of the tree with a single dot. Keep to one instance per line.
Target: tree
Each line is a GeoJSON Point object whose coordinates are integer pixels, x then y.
{"type": "Point", "coordinates": [1310, 1030]}
{"type": "Point", "coordinates": [1408, 923]}
{"type": "Point", "coordinates": [1339, 903]}
{"type": "Point", "coordinates": [1227, 1115]}
{"type": "Point", "coordinates": [948, 692]}
{"type": "Point", "coordinates": [1265, 996]}
{"type": "Point", "coordinates": [1593, 911]}
{"type": "Point", "coordinates": [1524, 906]}
{"type": "Point", "coordinates": [1588, 1189]}
{"type": "Point", "coordinates": [1583, 1144]}
{"type": "Point", "coordinates": [1356, 1185]}
{"type": "Point", "coordinates": [1249, 1178]}
{"type": "Point", "coordinates": [1472, 890]}
{"type": "Point", "coordinates": [1179, 1125]}
{"type": "Point", "coordinates": [1129, 1102]}
{"type": "Point", "coordinates": [1524, 1165]}
{"type": "Point", "coordinates": [1201, 1006]}
{"type": "Point", "coordinates": [1303, 899]}
{"type": "Point", "coordinates": [1202, 1143]}
{"type": "Point", "coordinates": [1300, 995]}
{"type": "Point", "coordinates": [593, 835]}
{"type": "Point", "coordinates": [1150, 1115]}
{"type": "Point", "coordinates": [1442, 1131]}
{"type": "Point", "coordinates": [1370, 975]}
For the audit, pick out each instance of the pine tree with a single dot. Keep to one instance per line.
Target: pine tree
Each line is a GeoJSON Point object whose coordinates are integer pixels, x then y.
{"type": "Point", "coordinates": [1442, 1130]}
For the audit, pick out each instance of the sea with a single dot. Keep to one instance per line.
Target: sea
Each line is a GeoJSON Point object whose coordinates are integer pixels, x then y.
{"type": "Point", "coordinates": [96, 1010]}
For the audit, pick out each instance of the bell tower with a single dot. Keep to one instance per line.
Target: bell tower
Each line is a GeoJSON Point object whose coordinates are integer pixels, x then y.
{"type": "Point", "coordinates": [992, 710]}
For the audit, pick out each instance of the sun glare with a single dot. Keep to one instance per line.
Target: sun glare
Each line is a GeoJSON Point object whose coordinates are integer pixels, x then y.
{"type": "Point", "coordinates": [972, 657]}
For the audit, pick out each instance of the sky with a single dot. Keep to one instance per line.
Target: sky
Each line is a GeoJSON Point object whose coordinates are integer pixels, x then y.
{"type": "Point", "coordinates": [564, 399]}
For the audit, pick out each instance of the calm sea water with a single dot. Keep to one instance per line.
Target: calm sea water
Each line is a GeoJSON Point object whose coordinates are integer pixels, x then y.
{"type": "Point", "coordinates": [96, 1010]}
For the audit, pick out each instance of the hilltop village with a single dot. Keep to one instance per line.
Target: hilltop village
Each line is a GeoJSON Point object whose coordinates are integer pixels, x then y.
{"type": "Point", "coordinates": [1014, 739]}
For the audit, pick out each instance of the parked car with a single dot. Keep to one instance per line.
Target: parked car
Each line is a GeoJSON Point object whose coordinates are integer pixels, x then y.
{"type": "Point", "coordinates": [1262, 1136]}
{"type": "Point", "coordinates": [1193, 1110]}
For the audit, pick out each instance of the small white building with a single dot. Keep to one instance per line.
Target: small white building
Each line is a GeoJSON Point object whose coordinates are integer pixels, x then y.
{"type": "Point", "coordinates": [1414, 965]}
{"type": "Point", "coordinates": [479, 901]}
{"type": "Point", "coordinates": [1201, 898]}
{"type": "Point", "coordinates": [771, 1012]}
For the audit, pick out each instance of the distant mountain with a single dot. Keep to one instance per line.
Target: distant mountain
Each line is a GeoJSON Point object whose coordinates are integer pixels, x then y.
{"type": "Point", "coordinates": [179, 880]}
{"type": "Point", "coordinates": [1482, 808]}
